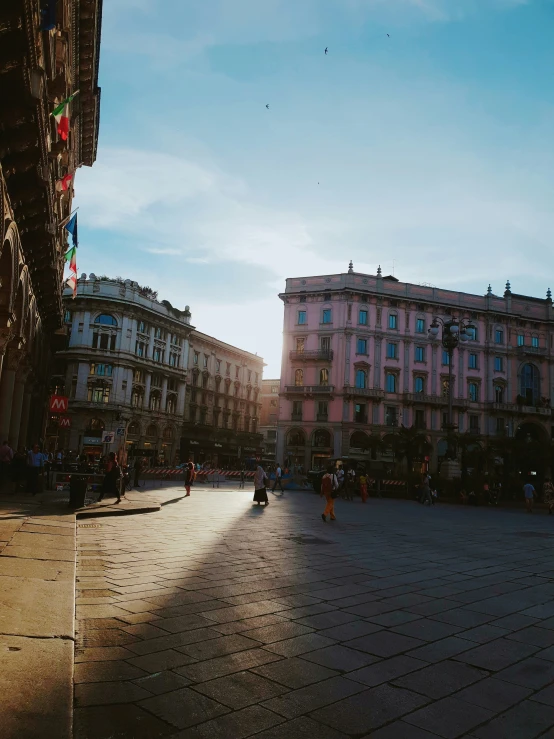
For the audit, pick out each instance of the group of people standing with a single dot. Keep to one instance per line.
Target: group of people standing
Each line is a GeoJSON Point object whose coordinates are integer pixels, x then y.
{"type": "Point", "coordinates": [23, 467]}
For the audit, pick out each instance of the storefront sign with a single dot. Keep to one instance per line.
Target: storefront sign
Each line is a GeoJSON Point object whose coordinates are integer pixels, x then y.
{"type": "Point", "coordinates": [58, 404]}
{"type": "Point", "coordinates": [108, 437]}
{"type": "Point", "coordinates": [92, 440]}
{"type": "Point", "coordinates": [65, 422]}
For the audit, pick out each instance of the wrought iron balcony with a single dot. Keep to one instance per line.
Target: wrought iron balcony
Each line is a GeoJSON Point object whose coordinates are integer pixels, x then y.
{"type": "Point", "coordinates": [521, 408]}
{"type": "Point", "coordinates": [322, 416]}
{"type": "Point", "coordinates": [426, 399]}
{"type": "Point", "coordinates": [318, 355]}
{"type": "Point", "coordinates": [310, 389]}
{"type": "Point", "coordinates": [296, 417]}
{"type": "Point", "coordinates": [366, 392]}
{"type": "Point", "coordinates": [532, 350]}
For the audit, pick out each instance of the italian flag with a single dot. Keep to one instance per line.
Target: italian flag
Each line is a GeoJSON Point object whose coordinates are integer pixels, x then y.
{"type": "Point", "coordinates": [63, 184]}
{"type": "Point", "coordinates": [61, 114]}
{"type": "Point", "coordinates": [71, 257]}
{"type": "Point", "coordinates": [72, 283]}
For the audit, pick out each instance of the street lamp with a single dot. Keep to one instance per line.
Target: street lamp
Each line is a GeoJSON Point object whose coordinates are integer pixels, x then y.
{"type": "Point", "coordinates": [453, 331]}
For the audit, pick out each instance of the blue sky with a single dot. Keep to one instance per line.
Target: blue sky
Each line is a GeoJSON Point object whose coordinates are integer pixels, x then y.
{"type": "Point", "coordinates": [431, 149]}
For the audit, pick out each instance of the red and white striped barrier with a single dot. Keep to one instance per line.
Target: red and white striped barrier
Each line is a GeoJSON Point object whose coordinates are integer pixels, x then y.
{"type": "Point", "coordinates": [202, 474]}
{"type": "Point", "coordinates": [396, 483]}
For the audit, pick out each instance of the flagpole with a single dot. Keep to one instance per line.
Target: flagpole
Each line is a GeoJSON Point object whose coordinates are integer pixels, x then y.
{"type": "Point", "coordinates": [61, 224]}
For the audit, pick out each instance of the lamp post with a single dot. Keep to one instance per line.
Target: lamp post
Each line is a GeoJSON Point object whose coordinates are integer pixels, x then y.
{"type": "Point", "coordinates": [453, 331]}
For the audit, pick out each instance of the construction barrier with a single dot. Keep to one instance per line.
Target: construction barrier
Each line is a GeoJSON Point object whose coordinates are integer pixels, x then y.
{"type": "Point", "coordinates": [165, 473]}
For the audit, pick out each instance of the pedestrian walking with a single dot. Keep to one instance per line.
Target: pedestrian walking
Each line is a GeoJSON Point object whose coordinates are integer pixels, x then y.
{"type": "Point", "coordinates": [241, 485]}
{"type": "Point", "coordinates": [260, 492]}
{"type": "Point", "coordinates": [35, 466]}
{"type": "Point", "coordinates": [6, 456]}
{"type": "Point", "coordinates": [548, 494]}
{"type": "Point", "coordinates": [363, 487]}
{"type": "Point", "coordinates": [426, 492]}
{"type": "Point", "coordinates": [137, 471]}
{"type": "Point", "coordinates": [111, 484]}
{"type": "Point", "coordinates": [278, 478]}
{"type": "Point", "coordinates": [329, 490]}
{"type": "Point", "coordinates": [190, 474]}
{"type": "Point", "coordinates": [529, 493]}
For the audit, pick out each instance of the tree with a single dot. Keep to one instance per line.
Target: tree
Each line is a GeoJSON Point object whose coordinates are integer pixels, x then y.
{"type": "Point", "coordinates": [410, 444]}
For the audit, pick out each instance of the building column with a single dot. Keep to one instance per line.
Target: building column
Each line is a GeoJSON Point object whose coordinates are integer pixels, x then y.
{"type": "Point", "coordinates": [181, 399]}
{"type": "Point", "coordinates": [17, 408]}
{"type": "Point", "coordinates": [25, 411]}
{"type": "Point", "coordinates": [147, 384]}
{"type": "Point", "coordinates": [7, 383]}
{"type": "Point", "coordinates": [164, 394]}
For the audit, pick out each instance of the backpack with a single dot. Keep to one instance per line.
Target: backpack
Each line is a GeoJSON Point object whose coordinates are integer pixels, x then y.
{"type": "Point", "coordinates": [327, 485]}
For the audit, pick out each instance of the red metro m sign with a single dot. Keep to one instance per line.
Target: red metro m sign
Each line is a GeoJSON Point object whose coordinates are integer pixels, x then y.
{"type": "Point", "coordinates": [58, 404]}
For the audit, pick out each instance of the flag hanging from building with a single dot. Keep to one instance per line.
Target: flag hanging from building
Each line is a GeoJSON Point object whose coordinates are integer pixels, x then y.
{"type": "Point", "coordinates": [71, 282]}
{"type": "Point", "coordinates": [63, 184]}
{"type": "Point", "coordinates": [71, 257]}
{"type": "Point", "coordinates": [71, 226]}
{"type": "Point", "coordinates": [61, 114]}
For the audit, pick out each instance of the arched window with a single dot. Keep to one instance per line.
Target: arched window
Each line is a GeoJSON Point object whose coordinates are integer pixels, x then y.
{"type": "Point", "coordinates": [168, 434]}
{"type": "Point", "coordinates": [419, 385]}
{"type": "Point", "coordinates": [105, 320]}
{"type": "Point", "coordinates": [324, 376]}
{"type": "Point", "coordinates": [322, 438]}
{"type": "Point", "coordinates": [137, 397]}
{"type": "Point", "coordinates": [155, 401]}
{"type": "Point", "coordinates": [498, 394]}
{"type": "Point", "coordinates": [299, 378]}
{"type": "Point", "coordinates": [361, 379]}
{"type": "Point", "coordinates": [152, 431]}
{"type": "Point", "coordinates": [133, 430]}
{"type": "Point", "coordinates": [530, 384]}
{"type": "Point", "coordinates": [96, 424]}
{"type": "Point", "coordinates": [359, 440]}
{"type": "Point", "coordinates": [171, 404]}
{"type": "Point", "coordinates": [296, 438]}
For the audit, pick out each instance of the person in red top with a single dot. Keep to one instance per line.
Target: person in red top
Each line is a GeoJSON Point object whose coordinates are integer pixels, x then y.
{"type": "Point", "coordinates": [329, 487]}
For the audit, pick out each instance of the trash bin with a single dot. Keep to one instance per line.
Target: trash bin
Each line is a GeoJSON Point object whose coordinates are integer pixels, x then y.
{"type": "Point", "coordinates": [77, 490]}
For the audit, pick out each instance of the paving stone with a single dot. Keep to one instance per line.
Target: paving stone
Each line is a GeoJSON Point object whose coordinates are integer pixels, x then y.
{"type": "Point", "coordinates": [385, 670]}
{"type": "Point", "coordinates": [170, 641]}
{"type": "Point", "coordinates": [449, 717]}
{"type": "Point", "coordinates": [295, 672]}
{"type": "Point", "coordinates": [369, 710]}
{"type": "Point", "coordinates": [178, 624]}
{"type": "Point", "coordinates": [401, 730]}
{"type": "Point", "coordinates": [212, 668]}
{"type": "Point", "coordinates": [462, 617]}
{"type": "Point", "coordinates": [426, 629]}
{"type": "Point", "coordinates": [312, 697]}
{"type": "Point", "coordinates": [384, 643]}
{"type": "Point", "coordinates": [533, 635]}
{"type": "Point", "coordinates": [443, 649]}
{"type": "Point", "coordinates": [162, 682]}
{"type": "Point", "coordinates": [102, 654]}
{"type": "Point", "coordinates": [165, 660]}
{"type": "Point", "coordinates": [494, 694]}
{"type": "Point", "coordinates": [433, 607]}
{"type": "Point", "coordinates": [93, 672]}
{"type": "Point", "coordinates": [97, 694]}
{"type": "Point", "coordinates": [367, 610]}
{"type": "Point", "coordinates": [144, 631]}
{"type": "Point", "coordinates": [394, 618]}
{"type": "Point", "coordinates": [137, 618]}
{"type": "Point", "coordinates": [300, 645]}
{"type": "Point", "coordinates": [301, 728]}
{"type": "Point", "coordinates": [485, 633]}
{"type": "Point", "coordinates": [235, 613]}
{"type": "Point", "coordinates": [104, 638]}
{"type": "Point", "coordinates": [236, 627]}
{"type": "Point", "coordinates": [218, 647]}
{"type": "Point", "coordinates": [515, 621]}
{"type": "Point", "coordinates": [183, 707]}
{"type": "Point", "coordinates": [237, 725]}
{"type": "Point", "coordinates": [532, 673]}
{"type": "Point", "coordinates": [338, 657]}
{"type": "Point", "coordinates": [240, 689]}
{"type": "Point", "coordinates": [442, 679]}
{"type": "Point", "coordinates": [121, 721]}
{"type": "Point", "coordinates": [496, 654]}
{"type": "Point", "coordinates": [277, 632]}
{"type": "Point", "coordinates": [524, 721]}
{"type": "Point", "coordinates": [328, 620]}
{"type": "Point", "coordinates": [94, 624]}
{"type": "Point", "coordinates": [350, 630]}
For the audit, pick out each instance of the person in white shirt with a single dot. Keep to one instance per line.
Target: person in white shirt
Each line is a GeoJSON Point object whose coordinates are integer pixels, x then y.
{"type": "Point", "coordinates": [278, 476]}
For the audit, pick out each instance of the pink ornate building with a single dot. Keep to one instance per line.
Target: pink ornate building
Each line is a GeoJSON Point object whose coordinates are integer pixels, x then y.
{"type": "Point", "coordinates": [358, 360]}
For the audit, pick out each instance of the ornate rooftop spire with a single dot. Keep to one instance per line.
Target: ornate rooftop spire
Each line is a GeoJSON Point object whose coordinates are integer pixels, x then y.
{"type": "Point", "coordinates": [489, 289]}
{"type": "Point", "coordinates": [549, 294]}
{"type": "Point", "coordinates": [379, 273]}
{"type": "Point", "coordinates": [351, 267]}
{"type": "Point", "coordinates": [508, 289]}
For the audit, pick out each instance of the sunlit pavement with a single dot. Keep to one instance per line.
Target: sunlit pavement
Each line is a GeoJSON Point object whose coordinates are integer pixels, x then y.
{"type": "Point", "coordinates": [218, 618]}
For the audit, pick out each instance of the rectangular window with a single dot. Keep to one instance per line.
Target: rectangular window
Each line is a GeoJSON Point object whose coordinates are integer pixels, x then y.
{"type": "Point", "coordinates": [474, 424]}
{"type": "Point", "coordinates": [237, 370]}
{"type": "Point", "coordinates": [228, 368]}
{"type": "Point", "coordinates": [300, 344]}
{"type": "Point", "coordinates": [498, 364]}
{"type": "Point", "coordinates": [500, 426]}
{"type": "Point", "coordinates": [419, 419]}
{"type": "Point", "coordinates": [393, 321]}
{"type": "Point", "coordinates": [297, 410]}
{"type": "Point", "coordinates": [521, 340]}
{"type": "Point", "coordinates": [390, 383]}
{"type": "Point", "coordinates": [473, 392]}
{"type": "Point", "coordinates": [324, 376]}
{"type": "Point", "coordinates": [445, 357]}
{"type": "Point", "coordinates": [391, 416]}
{"type": "Point", "coordinates": [498, 336]}
{"type": "Point", "coordinates": [362, 318]}
{"type": "Point", "coordinates": [325, 343]}
{"type": "Point", "coordinates": [535, 342]}
{"type": "Point", "coordinates": [420, 326]}
{"type": "Point", "coordinates": [361, 346]}
{"type": "Point", "coordinates": [419, 385]}
{"type": "Point", "coordinates": [139, 349]}
{"type": "Point", "coordinates": [420, 354]}
{"type": "Point", "coordinates": [157, 354]}
{"type": "Point", "coordinates": [205, 363]}
{"type": "Point", "coordinates": [172, 359]}
{"type": "Point", "coordinates": [99, 394]}
{"type": "Point", "coordinates": [360, 415]}
{"type": "Point", "coordinates": [218, 365]}
{"type": "Point", "coordinates": [142, 327]}
{"type": "Point", "coordinates": [472, 363]}
{"type": "Point", "coordinates": [302, 317]}
{"type": "Point", "coordinates": [326, 316]}
{"type": "Point", "coordinates": [195, 358]}
{"type": "Point", "coordinates": [392, 350]}
{"type": "Point", "coordinates": [445, 420]}
{"type": "Point", "coordinates": [322, 410]}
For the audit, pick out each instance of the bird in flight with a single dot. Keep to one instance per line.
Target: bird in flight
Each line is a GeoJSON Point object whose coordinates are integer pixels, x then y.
{"type": "Point", "coordinates": [388, 34]}
{"type": "Point", "coordinates": [326, 50]}
{"type": "Point", "coordinates": [267, 106]}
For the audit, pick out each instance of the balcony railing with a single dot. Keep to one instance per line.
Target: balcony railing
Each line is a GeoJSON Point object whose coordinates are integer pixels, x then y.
{"type": "Point", "coordinates": [426, 399]}
{"type": "Point", "coordinates": [523, 409]}
{"type": "Point", "coordinates": [295, 416]}
{"type": "Point", "coordinates": [310, 389]}
{"type": "Point", "coordinates": [322, 416]}
{"type": "Point", "coordinates": [366, 392]}
{"type": "Point", "coordinates": [532, 350]}
{"type": "Point", "coordinates": [311, 356]}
